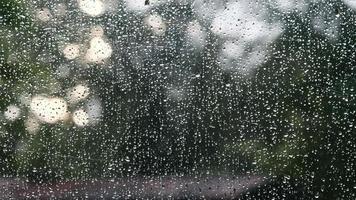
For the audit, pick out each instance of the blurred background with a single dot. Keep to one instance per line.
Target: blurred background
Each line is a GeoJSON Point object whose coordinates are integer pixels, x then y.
{"type": "Point", "coordinates": [102, 89]}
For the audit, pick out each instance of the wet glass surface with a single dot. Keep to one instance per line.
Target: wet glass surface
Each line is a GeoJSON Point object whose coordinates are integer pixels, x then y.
{"type": "Point", "coordinates": [177, 99]}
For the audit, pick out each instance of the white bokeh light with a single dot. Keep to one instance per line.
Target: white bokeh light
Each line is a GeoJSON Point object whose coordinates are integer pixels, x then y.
{"type": "Point", "coordinates": [59, 10]}
{"type": "Point", "coordinates": [94, 109]}
{"type": "Point", "coordinates": [206, 10]}
{"type": "Point", "coordinates": [246, 35]}
{"type": "Point", "coordinates": [49, 109]}
{"type": "Point", "coordinates": [156, 24]}
{"type": "Point", "coordinates": [176, 94]}
{"type": "Point", "coordinates": [233, 49]}
{"type": "Point", "coordinates": [78, 93]}
{"type": "Point", "coordinates": [99, 50]}
{"type": "Point", "coordinates": [32, 125]}
{"type": "Point", "coordinates": [43, 14]}
{"type": "Point", "coordinates": [139, 6]}
{"type": "Point", "coordinates": [80, 118]}
{"type": "Point", "coordinates": [328, 28]}
{"type": "Point", "coordinates": [242, 57]}
{"type": "Point", "coordinates": [196, 35]}
{"type": "Point", "coordinates": [292, 5]}
{"type": "Point", "coordinates": [136, 5]}
{"type": "Point", "coordinates": [350, 3]}
{"type": "Point", "coordinates": [12, 112]}
{"type": "Point", "coordinates": [71, 51]}
{"type": "Point", "coordinates": [239, 20]}
{"type": "Point", "coordinates": [93, 8]}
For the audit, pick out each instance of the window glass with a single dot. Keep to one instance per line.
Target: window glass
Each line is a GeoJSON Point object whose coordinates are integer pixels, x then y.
{"type": "Point", "coordinates": [181, 99]}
